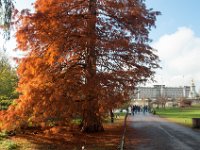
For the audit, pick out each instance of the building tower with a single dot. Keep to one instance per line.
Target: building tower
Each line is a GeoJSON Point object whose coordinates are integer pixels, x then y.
{"type": "Point", "coordinates": [192, 93]}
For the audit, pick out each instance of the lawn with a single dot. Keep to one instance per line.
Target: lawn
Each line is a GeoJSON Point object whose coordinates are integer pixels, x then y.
{"type": "Point", "coordinates": [180, 115]}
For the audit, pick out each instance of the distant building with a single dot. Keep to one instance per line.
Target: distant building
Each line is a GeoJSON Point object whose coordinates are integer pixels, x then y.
{"type": "Point", "coordinates": [192, 93]}
{"type": "Point", "coordinates": [158, 91]}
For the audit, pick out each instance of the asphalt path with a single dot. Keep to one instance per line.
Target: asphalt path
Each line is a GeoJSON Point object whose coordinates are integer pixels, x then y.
{"type": "Point", "coordinates": [159, 134]}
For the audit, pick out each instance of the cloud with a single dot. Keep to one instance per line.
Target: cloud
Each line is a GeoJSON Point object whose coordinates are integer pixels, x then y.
{"type": "Point", "coordinates": [180, 58]}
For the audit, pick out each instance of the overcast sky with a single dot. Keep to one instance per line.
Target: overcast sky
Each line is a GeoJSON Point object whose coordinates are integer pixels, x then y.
{"type": "Point", "coordinates": [176, 37]}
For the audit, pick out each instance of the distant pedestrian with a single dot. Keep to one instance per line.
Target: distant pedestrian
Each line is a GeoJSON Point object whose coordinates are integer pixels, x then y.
{"type": "Point", "coordinates": [144, 110]}
{"type": "Point", "coordinates": [111, 116]}
{"type": "Point", "coordinates": [133, 110]}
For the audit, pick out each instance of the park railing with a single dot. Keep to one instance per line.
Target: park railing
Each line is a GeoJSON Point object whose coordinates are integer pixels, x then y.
{"type": "Point", "coordinates": [122, 142]}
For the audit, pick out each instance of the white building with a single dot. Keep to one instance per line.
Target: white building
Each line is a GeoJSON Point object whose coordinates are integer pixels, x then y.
{"type": "Point", "coordinates": [158, 91]}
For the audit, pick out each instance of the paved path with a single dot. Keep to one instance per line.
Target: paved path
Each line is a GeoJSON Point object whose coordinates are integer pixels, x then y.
{"type": "Point", "coordinates": [156, 133]}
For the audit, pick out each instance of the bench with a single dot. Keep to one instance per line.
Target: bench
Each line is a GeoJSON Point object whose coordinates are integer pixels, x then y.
{"type": "Point", "coordinates": [196, 122]}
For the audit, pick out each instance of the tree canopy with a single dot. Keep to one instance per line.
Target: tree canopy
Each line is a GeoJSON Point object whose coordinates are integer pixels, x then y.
{"type": "Point", "coordinates": [83, 59]}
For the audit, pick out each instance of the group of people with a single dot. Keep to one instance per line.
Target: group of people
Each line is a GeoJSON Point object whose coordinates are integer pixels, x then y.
{"type": "Point", "coordinates": [137, 109]}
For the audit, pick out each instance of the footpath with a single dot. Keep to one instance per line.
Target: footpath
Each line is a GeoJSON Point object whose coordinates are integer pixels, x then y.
{"type": "Point", "coordinates": [150, 132]}
{"type": "Point", "coordinates": [134, 137]}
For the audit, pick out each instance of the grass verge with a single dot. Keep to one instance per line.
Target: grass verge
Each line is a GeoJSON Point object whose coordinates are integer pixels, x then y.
{"type": "Point", "coordinates": [180, 115]}
{"type": "Point", "coordinates": [6, 143]}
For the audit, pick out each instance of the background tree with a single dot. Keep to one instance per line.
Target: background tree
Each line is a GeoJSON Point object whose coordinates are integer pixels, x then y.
{"type": "Point", "coordinates": [6, 9]}
{"type": "Point", "coordinates": [8, 78]}
{"type": "Point", "coordinates": [162, 100]}
{"type": "Point", "coordinates": [83, 57]}
{"type": "Point", "coordinates": [8, 82]}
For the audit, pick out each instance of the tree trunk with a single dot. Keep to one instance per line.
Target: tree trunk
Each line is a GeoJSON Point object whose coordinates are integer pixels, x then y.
{"type": "Point", "coordinates": [91, 117]}
{"type": "Point", "coordinates": [91, 120]}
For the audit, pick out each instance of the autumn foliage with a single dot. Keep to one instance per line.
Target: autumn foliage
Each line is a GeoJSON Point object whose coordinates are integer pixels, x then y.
{"type": "Point", "coordinates": [83, 58]}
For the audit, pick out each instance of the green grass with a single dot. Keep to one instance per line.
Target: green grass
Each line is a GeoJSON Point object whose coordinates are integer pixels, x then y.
{"type": "Point", "coordinates": [120, 115]}
{"type": "Point", "coordinates": [117, 117]}
{"type": "Point", "coordinates": [180, 115]}
{"type": "Point", "coordinates": [7, 144]}
{"type": "Point", "coordinates": [76, 121]}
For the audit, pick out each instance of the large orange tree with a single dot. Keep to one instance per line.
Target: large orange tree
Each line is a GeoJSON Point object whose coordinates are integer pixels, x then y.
{"type": "Point", "coordinates": [82, 59]}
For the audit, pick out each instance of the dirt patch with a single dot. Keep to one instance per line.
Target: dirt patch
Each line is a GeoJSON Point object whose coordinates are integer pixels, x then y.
{"type": "Point", "coordinates": [63, 139]}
